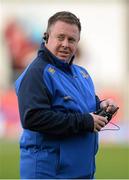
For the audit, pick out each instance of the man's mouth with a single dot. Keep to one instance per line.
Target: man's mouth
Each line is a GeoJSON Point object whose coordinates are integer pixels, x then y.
{"type": "Point", "coordinates": [64, 52]}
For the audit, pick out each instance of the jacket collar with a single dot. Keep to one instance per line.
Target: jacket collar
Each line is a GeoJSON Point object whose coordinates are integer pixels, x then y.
{"type": "Point", "coordinates": [53, 59]}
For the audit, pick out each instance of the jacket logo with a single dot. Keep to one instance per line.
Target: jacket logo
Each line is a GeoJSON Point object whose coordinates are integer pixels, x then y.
{"type": "Point", "coordinates": [51, 70]}
{"type": "Point", "coordinates": [85, 75]}
{"type": "Point", "coordinates": [66, 98]}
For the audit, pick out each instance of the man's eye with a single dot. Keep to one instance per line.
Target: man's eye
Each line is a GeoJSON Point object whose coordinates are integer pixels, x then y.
{"type": "Point", "coordinates": [60, 38]}
{"type": "Point", "coordinates": [71, 40]}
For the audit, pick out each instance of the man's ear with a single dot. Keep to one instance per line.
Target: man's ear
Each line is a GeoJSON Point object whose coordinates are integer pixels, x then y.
{"type": "Point", "coordinates": [45, 37]}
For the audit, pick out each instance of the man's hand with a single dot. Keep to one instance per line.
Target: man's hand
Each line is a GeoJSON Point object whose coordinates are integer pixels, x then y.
{"type": "Point", "coordinates": [99, 122]}
{"type": "Point", "coordinates": [109, 105]}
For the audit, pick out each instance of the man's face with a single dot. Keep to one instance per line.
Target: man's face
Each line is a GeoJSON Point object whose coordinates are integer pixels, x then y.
{"type": "Point", "coordinates": [63, 40]}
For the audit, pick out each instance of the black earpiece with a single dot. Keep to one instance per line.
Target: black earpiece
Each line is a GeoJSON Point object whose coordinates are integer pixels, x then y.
{"type": "Point", "coordinates": [45, 37]}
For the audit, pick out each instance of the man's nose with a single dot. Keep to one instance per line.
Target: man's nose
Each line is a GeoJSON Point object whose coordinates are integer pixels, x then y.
{"type": "Point", "coordinates": [65, 43]}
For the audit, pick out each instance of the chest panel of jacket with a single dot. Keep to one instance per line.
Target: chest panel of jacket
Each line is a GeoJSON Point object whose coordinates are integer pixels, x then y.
{"type": "Point", "coordinates": [70, 91]}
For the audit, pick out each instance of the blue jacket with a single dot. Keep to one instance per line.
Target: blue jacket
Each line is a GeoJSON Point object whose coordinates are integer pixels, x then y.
{"type": "Point", "coordinates": [55, 99]}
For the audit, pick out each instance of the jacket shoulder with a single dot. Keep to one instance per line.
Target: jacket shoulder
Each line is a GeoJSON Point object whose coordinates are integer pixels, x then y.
{"type": "Point", "coordinates": [31, 72]}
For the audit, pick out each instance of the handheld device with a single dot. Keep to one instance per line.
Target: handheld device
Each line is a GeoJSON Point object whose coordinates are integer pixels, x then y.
{"type": "Point", "coordinates": [104, 113]}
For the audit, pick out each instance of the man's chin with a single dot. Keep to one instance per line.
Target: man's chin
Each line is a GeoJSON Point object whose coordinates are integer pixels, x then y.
{"type": "Point", "coordinates": [63, 58]}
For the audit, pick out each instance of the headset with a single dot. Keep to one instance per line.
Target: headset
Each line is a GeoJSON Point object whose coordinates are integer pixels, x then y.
{"type": "Point", "coordinates": [45, 37]}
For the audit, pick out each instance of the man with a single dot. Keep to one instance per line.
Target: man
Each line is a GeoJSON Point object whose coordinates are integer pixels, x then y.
{"type": "Point", "coordinates": [57, 102]}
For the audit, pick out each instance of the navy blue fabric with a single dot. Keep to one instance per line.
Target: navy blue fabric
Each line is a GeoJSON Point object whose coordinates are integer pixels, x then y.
{"type": "Point", "coordinates": [55, 99]}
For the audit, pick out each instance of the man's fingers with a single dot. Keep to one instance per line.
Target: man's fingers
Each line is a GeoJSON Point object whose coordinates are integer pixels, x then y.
{"type": "Point", "coordinates": [99, 124]}
{"type": "Point", "coordinates": [102, 120]}
{"type": "Point", "coordinates": [108, 105]}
